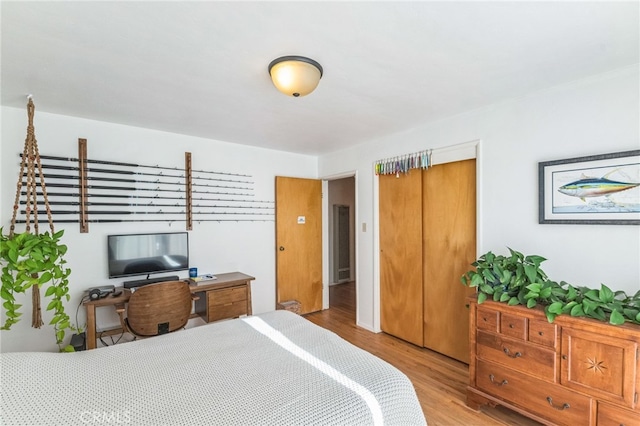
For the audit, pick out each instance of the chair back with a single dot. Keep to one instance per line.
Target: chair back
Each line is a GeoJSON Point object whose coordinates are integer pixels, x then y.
{"type": "Point", "coordinates": [159, 308]}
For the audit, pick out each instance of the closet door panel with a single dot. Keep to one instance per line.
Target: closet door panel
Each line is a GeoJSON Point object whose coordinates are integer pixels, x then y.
{"type": "Point", "coordinates": [401, 307]}
{"type": "Point", "coordinates": [449, 248]}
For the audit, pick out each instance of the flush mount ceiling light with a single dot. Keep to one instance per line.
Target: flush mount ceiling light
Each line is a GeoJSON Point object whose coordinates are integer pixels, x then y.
{"type": "Point", "coordinates": [295, 75]}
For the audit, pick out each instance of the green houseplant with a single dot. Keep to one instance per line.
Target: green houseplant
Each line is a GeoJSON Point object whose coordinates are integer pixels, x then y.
{"type": "Point", "coordinates": [518, 280]}
{"type": "Point", "coordinates": [30, 260]}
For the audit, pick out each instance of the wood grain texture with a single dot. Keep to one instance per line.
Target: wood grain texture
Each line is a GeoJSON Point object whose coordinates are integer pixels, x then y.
{"type": "Point", "coordinates": [449, 248]}
{"type": "Point", "coordinates": [299, 245]}
{"type": "Point", "coordinates": [165, 302]}
{"type": "Point", "coordinates": [592, 365]}
{"type": "Point", "coordinates": [440, 381]}
{"type": "Point", "coordinates": [400, 200]}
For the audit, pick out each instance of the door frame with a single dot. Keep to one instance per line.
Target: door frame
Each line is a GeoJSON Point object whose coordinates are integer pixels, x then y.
{"type": "Point", "coordinates": [326, 213]}
{"type": "Point", "coordinates": [446, 154]}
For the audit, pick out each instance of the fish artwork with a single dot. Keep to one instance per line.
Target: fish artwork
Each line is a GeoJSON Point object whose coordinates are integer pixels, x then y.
{"type": "Point", "coordinates": [595, 187]}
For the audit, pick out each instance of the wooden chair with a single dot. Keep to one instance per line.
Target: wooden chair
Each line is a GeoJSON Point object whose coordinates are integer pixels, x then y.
{"type": "Point", "coordinates": [158, 308]}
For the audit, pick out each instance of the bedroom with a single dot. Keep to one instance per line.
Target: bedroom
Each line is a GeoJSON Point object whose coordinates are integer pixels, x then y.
{"type": "Point", "coordinates": [577, 95]}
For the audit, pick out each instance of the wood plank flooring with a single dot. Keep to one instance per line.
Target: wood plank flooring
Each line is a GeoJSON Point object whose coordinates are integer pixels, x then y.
{"type": "Point", "coordinates": [440, 381]}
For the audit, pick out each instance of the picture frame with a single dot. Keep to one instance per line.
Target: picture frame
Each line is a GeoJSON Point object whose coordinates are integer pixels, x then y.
{"type": "Point", "coordinates": [592, 190]}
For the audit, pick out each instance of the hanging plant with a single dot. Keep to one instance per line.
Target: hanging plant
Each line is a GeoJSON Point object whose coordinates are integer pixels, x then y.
{"type": "Point", "coordinates": [30, 261]}
{"type": "Point", "coordinates": [518, 280]}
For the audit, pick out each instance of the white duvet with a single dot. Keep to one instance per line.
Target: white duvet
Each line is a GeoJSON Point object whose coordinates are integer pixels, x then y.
{"type": "Point", "coordinates": [270, 369]}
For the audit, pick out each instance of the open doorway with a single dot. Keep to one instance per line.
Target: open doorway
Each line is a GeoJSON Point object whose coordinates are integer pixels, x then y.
{"type": "Point", "coordinates": [342, 285]}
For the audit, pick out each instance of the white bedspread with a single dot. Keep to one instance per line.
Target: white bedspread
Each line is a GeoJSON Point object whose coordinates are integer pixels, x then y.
{"type": "Point", "coordinates": [271, 369]}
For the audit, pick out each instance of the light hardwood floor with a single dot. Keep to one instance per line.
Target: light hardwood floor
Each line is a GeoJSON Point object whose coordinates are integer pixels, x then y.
{"type": "Point", "coordinates": [440, 381]}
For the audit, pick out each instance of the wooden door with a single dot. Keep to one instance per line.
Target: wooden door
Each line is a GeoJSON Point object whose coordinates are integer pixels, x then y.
{"type": "Point", "coordinates": [401, 256]}
{"type": "Point", "coordinates": [299, 242]}
{"type": "Point", "coordinates": [449, 248]}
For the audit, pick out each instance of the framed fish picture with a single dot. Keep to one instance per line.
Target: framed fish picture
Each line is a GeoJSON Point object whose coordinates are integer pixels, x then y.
{"type": "Point", "coordinates": [599, 189]}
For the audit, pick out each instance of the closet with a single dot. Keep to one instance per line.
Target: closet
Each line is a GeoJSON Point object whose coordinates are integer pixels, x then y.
{"type": "Point", "coordinates": [427, 241]}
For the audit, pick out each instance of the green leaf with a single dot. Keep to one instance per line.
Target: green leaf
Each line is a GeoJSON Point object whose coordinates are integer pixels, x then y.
{"type": "Point", "coordinates": [486, 289]}
{"type": "Point", "coordinates": [531, 303]}
{"type": "Point", "coordinates": [555, 308]}
{"type": "Point", "coordinates": [616, 318]}
{"type": "Point", "coordinates": [68, 348]}
{"type": "Point", "coordinates": [45, 277]}
{"type": "Point", "coordinates": [488, 275]}
{"type": "Point", "coordinates": [536, 260]}
{"type": "Point", "coordinates": [550, 316]}
{"type": "Point", "coordinates": [606, 295]}
{"type": "Point", "coordinates": [504, 297]}
{"type": "Point", "coordinates": [481, 298]}
{"type": "Point", "coordinates": [531, 272]}
{"type": "Point", "coordinates": [535, 287]}
{"type": "Point", "coordinates": [577, 311]}
{"type": "Point", "coordinates": [571, 293]}
{"type": "Point", "coordinates": [593, 295]}
{"type": "Point", "coordinates": [13, 255]}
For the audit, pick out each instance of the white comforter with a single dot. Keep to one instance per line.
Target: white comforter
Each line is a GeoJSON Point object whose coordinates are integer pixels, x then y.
{"type": "Point", "coordinates": [271, 369]}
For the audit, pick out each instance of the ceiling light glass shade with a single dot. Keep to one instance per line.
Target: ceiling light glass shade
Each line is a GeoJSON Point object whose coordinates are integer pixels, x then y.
{"type": "Point", "coordinates": [295, 75]}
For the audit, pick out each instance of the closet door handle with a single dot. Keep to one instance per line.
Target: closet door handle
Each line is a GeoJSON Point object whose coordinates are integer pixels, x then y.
{"type": "Point", "coordinates": [281, 248]}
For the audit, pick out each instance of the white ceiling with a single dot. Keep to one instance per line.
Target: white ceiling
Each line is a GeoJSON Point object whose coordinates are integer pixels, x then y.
{"type": "Point", "coordinates": [200, 68]}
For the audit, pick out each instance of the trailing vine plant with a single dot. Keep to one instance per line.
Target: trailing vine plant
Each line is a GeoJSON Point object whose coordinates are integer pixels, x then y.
{"type": "Point", "coordinates": [31, 260]}
{"type": "Point", "coordinates": [518, 280]}
{"type": "Point", "coordinates": [35, 260]}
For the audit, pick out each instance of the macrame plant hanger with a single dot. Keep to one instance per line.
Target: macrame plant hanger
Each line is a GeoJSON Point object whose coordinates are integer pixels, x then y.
{"type": "Point", "coordinates": [31, 160]}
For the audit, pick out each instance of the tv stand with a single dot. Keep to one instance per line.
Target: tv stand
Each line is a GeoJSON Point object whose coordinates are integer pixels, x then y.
{"type": "Point", "coordinates": [140, 283]}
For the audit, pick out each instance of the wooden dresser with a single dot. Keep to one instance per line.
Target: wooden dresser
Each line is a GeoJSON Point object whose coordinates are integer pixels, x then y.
{"type": "Point", "coordinates": [574, 371]}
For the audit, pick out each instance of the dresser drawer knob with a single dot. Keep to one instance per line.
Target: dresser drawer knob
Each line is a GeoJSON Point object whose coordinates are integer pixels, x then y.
{"type": "Point", "coordinates": [508, 353]}
{"type": "Point", "coordinates": [492, 378]}
{"type": "Point", "coordinates": [562, 408]}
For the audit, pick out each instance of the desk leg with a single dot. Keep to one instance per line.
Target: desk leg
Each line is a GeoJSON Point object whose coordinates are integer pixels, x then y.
{"type": "Point", "coordinates": [91, 326]}
{"type": "Point", "coordinates": [249, 304]}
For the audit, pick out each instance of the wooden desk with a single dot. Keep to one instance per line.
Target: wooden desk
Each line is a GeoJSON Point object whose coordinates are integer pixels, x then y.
{"type": "Point", "coordinates": [229, 296]}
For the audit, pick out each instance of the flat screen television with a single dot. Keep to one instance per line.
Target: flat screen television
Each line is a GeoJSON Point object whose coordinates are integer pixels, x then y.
{"type": "Point", "coordinates": [144, 254]}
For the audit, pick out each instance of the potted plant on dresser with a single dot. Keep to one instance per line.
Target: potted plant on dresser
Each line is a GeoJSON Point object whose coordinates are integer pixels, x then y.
{"type": "Point", "coordinates": [557, 353]}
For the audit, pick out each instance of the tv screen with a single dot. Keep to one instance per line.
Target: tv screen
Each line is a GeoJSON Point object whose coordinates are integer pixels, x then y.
{"type": "Point", "coordinates": [144, 254]}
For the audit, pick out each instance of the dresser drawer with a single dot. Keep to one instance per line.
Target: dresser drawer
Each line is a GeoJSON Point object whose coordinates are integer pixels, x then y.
{"type": "Point", "coordinates": [552, 402]}
{"type": "Point", "coordinates": [543, 333]}
{"type": "Point", "coordinates": [609, 415]}
{"type": "Point", "coordinates": [487, 319]}
{"type": "Point", "coordinates": [513, 326]}
{"type": "Point", "coordinates": [227, 295]}
{"type": "Point", "coordinates": [517, 355]}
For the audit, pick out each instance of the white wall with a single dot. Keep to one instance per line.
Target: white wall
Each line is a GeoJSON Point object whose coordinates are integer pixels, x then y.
{"type": "Point", "coordinates": [593, 116]}
{"type": "Point", "coordinates": [214, 247]}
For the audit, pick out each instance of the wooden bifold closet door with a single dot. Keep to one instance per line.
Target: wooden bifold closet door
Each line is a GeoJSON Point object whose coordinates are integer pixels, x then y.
{"type": "Point", "coordinates": [427, 241]}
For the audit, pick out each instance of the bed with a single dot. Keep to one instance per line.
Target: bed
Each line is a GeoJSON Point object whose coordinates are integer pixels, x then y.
{"type": "Point", "coordinates": [271, 369]}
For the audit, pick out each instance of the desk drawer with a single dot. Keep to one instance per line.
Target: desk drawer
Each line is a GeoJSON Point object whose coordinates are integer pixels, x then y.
{"type": "Point", "coordinates": [226, 295]}
{"type": "Point", "coordinates": [230, 310]}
